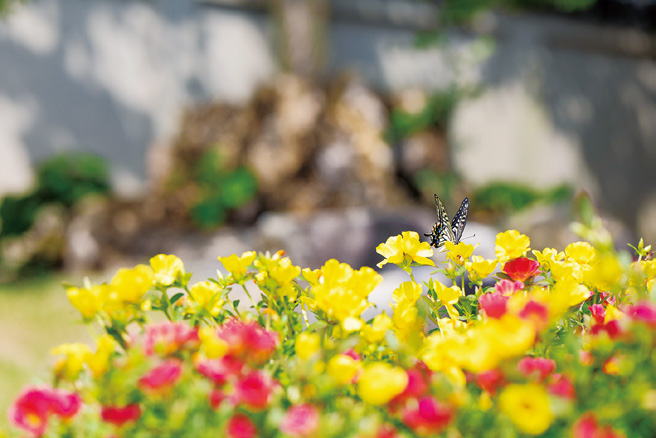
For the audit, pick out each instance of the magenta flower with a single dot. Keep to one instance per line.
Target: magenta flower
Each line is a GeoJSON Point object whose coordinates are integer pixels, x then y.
{"type": "Point", "coordinates": [248, 340]}
{"type": "Point", "coordinates": [240, 426]}
{"type": "Point", "coordinates": [427, 417]}
{"type": "Point", "coordinates": [539, 367]}
{"type": "Point", "coordinates": [33, 407]}
{"type": "Point", "coordinates": [300, 421]}
{"type": "Point", "coordinates": [491, 380]}
{"type": "Point", "coordinates": [167, 338]}
{"type": "Point", "coordinates": [119, 415]}
{"type": "Point", "coordinates": [507, 287]}
{"type": "Point", "coordinates": [521, 268]}
{"type": "Point", "coordinates": [161, 377]}
{"type": "Point", "coordinates": [493, 304]}
{"type": "Point", "coordinates": [254, 390]}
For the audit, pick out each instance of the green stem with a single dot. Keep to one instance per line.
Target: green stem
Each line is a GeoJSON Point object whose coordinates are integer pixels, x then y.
{"type": "Point", "coordinates": [257, 309]}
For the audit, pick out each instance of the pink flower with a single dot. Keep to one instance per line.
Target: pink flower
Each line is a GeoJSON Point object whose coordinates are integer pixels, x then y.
{"type": "Point", "coordinates": [644, 312]}
{"type": "Point", "coordinates": [352, 354]}
{"type": "Point", "coordinates": [598, 313]}
{"type": "Point", "coordinates": [216, 397]}
{"type": "Point", "coordinates": [254, 390]}
{"type": "Point", "coordinates": [33, 407]}
{"type": "Point", "coordinates": [608, 298]}
{"type": "Point", "coordinates": [562, 386]}
{"type": "Point", "coordinates": [167, 338]}
{"type": "Point", "coordinates": [539, 367]}
{"type": "Point", "coordinates": [612, 328]}
{"type": "Point", "coordinates": [537, 313]}
{"type": "Point", "coordinates": [418, 381]}
{"type": "Point", "coordinates": [587, 427]}
{"type": "Point", "coordinates": [507, 287]}
{"type": "Point", "coordinates": [386, 431]}
{"type": "Point", "coordinates": [248, 340]}
{"type": "Point", "coordinates": [426, 417]}
{"type": "Point", "coordinates": [493, 304]}
{"type": "Point", "coordinates": [119, 415]}
{"type": "Point", "coordinates": [491, 380]}
{"type": "Point", "coordinates": [300, 421]}
{"type": "Point", "coordinates": [162, 376]}
{"type": "Point", "coordinates": [240, 426]}
{"type": "Point", "coordinates": [521, 269]}
{"type": "Point", "coordinates": [221, 369]}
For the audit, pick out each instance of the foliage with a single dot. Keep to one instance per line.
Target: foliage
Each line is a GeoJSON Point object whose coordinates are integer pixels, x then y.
{"type": "Point", "coordinates": [512, 197]}
{"type": "Point", "coordinates": [63, 179]}
{"type": "Point", "coordinates": [220, 189]}
{"type": "Point", "coordinates": [562, 344]}
{"type": "Point", "coordinates": [7, 6]}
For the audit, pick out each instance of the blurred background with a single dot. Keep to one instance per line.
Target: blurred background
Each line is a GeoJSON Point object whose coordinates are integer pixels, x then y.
{"type": "Point", "coordinates": [206, 127]}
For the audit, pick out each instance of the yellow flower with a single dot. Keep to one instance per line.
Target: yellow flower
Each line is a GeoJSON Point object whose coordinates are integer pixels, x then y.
{"type": "Point", "coordinates": [458, 253]}
{"type": "Point", "coordinates": [207, 295]}
{"type": "Point", "coordinates": [565, 294]}
{"type": "Point", "coordinates": [606, 273]}
{"type": "Point", "coordinates": [548, 256]}
{"type": "Point", "coordinates": [406, 317]}
{"type": "Point", "coordinates": [480, 268]}
{"type": "Point", "coordinates": [380, 382]}
{"type": "Point", "coordinates": [99, 361]}
{"type": "Point", "coordinates": [342, 291]}
{"type": "Point", "coordinates": [405, 249]}
{"type": "Point", "coordinates": [167, 268]}
{"type": "Point", "coordinates": [442, 352]}
{"type": "Point", "coordinates": [379, 327]}
{"type": "Point", "coordinates": [449, 326]}
{"type": "Point", "coordinates": [527, 406]}
{"type": "Point", "coordinates": [510, 245]}
{"type": "Point", "coordinates": [565, 269]}
{"type": "Point", "coordinates": [70, 365]}
{"type": "Point", "coordinates": [212, 346]}
{"type": "Point", "coordinates": [447, 295]}
{"type": "Point", "coordinates": [88, 301]}
{"type": "Point", "coordinates": [581, 252]}
{"type": "Point", "coordinates": [131, 284]}
{"type": "Point", "coordinates": [343, 368]}
{"type": "Point", "coordinates": [284, 272]}
{"type": "Point", "coordinates": [311, 276]}
{"type": "Point", "coordinates": [408, 291]}
{"type": "Point", "coordinates": [307, 345]}
{"type": "Point", "coordinates": [236, 265]}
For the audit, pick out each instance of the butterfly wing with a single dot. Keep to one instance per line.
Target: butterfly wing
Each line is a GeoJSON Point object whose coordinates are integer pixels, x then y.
{"type": "Point", "coordinates": [460, 220]}
{"type": "Point", "coordinates": [442, 230]}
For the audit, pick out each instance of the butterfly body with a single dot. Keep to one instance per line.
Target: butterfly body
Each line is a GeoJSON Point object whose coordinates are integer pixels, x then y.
{"type": "Point", "coordinates": [445, 230]}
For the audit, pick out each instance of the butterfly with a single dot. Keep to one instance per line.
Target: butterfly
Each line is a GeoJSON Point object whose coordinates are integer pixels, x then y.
{"type": "Point", "coordinates": [445, 231]}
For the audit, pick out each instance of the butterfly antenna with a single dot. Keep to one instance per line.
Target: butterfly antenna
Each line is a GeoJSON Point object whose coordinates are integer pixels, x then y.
{"type": "Point", "coordinates": [468, 237]}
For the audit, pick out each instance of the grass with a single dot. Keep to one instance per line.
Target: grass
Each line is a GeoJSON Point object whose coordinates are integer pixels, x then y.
{"type": "Point", "coordinates": [35, 316]}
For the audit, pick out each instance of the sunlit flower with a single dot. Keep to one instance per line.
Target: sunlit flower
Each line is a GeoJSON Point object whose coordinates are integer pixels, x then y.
{"type": "Point", "coordinates": [458, 253]}
{"type": "Point", "coordinates": [99, 361]}
{"type": "Point", "coordinates": [307, 345]}
{"type": "Point", "coordinates": [248, 340]}
{"type": "Point", "coordinates": [536, 313]}
{"type": "Point", "coordinates": [491, 380]}
{"type": "Point", "coordinates": [343, 368]}
{"type": "Point", "coordinates": [208, 296]}
{"type": "Point", "coordinates": [507, 287]}
{"type": "Point", "coordinates": [408, 291]}
{"type": "Point", "coordinates": [493, 304]}
{"type": "Point", "coordinates": [480, 268]}
{"type": "Point", "coordinates": [510, 245]}
{"type": "Point", "coordinates": [237, 265]}
{"type": "Point", "coordinates": [33, 407]}
{"type": "Point", "coordinates": [427, 417]}
{"type": "Point", "coordinates": [379, 327]}
{"type": "Point", "coordinates": [644, 312]}
{"type": "Point", "coordinates": [562, 386]}
{"type": "Point", "coordinates": [588, 427]}
{"type": "Point", "coordinates": [254, 390]}
{"type": "Point", "coordinates": [167, 268]}
{"type": "Point", "coordinates": [606, 273]}
{"type": "Point", "coordinates": [527, 406]}
{"type": "Point", "coordinates": [380, 382]}
{"type": "Point", "coordinates": [521, 269]}
{"type": "Point", "coordinates": [581, 252]}
{"type": "Point", "coordinates": [88, 301]}
{"type": "Point", "coordinates": [448, 296]}
{"type": "Point", "coordinates": [240, 426]}
{"type": "Point", "coordinates": [72, 359]}
{"type": "Point", "coordinates": [212, 346]}
{"type": "Point", "coordinates": [162, 377]}
{"type": "Point", "coordinates": [300, 421]}
{"type": "Point", "coordinates": [119, 415]}
{"type": "Point", "coordinates": [167, 338]}
{"type": "Point", "coordinates": [547, 256]}
{"type": "Point", "coordinates": [405, 249]}
{"type": "Point", "coordinates": [538, 367]}
{"type": "Point", "coordinates": [131, 284]}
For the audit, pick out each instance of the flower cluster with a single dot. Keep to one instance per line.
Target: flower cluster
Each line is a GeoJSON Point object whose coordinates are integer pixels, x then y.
{"type": "Point", "coordinates": [541, 342]}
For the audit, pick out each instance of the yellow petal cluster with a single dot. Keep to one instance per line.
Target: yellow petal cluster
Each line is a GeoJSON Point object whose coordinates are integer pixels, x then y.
{"type": "Point", "coordinates": [527, 406]}
{"type": "Point", "coordinates": [405, 249]}
{"type": "Point", "coordinates": [510, 245]}
{"type": "Point", "coordinates": [380, 382]}
{"type": "Point", "coordinates": [167, 268]}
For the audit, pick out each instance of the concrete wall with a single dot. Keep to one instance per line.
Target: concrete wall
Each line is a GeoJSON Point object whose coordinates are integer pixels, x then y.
{"type": "Point", "coordinates": [563, 101]}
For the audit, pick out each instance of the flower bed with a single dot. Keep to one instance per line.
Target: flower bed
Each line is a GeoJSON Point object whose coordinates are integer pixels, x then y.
{"type": "Point", "coordinates": [561, 345]}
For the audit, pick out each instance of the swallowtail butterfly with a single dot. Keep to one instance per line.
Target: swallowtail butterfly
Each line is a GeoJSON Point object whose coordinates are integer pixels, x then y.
{"type": "Point", "coordinates": [445, 231]}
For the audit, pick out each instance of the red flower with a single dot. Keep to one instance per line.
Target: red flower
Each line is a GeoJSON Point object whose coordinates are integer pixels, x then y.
{"type": "Point", "coordinates": [507, 287]}
{"type": "Point", "coordinates": [536, 366]}
{"type": "Point", "coordinates": [386, 431]}
{"type": "Point", "coordinates": [427, 417]}
{"type": "Point", "coordinates": [491, 380]}
{"type": "Point", "coordinates": [254, 390]}
{"type": "Point", "coordinates": [221, 369]}
{"type": "Point", "coordinates": [587, 427]}
{"type": "Point", "coordinates": [418, 381]}
{"type": "Point", "coordinates": [493, 304]}
{"type": "Point", "coordinates": [240, 426]}
{"type": "Point", "coordinates": [537, 313]}
{"type": "Point", "coordinates": [300, 421]}
{"type": "Point", "coordinates": [248, 340]}
{"type": "Point", "coordinates": [521, 269]}
{"type": "Point", "coordinates": [162, 376]}
{"type": "Point", "coordinates": [562, 386]}
{"type": "Point", "coordinates": [32, 408]}
{"type": "Point", "coordinates": [169, 337]}
{"type": "Point", "coordinates": [612, 328]}
{"type": "Point", "coordinates": [352, 354]}
{"type": "Point", "coordinates": [119, 415]}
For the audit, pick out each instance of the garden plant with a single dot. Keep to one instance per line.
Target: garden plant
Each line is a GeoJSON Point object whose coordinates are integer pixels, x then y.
{"type": "Point", "coordinates": [552, 343]}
